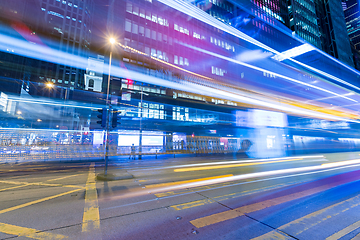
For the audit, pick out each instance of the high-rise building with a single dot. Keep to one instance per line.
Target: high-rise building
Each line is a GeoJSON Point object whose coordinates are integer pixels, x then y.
{"type": "Point", "coordinates": [352, 18]}
{"type": "Point", "coordinates": [69, 24]}
{"type": "Point", "coordinates": [303, 20]}
{"type": "Point", "coordinates": [320, 23]}
{"type": "Point", "coordinates": [332, 27]}
{"type": "Point", "coordinates": [64, 25]}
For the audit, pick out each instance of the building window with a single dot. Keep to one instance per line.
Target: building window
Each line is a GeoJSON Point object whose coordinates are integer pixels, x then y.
{"type": "Point", "coordinates": [153, 52]}
{"type": "Point", "coordinates": [129, 7]}
{"type": "Point", "coordinates": [147, 33]}
{"type": "Point", "coordinates": [141, 30]}
{"type": "Point", "coordinates": [127, 25]}
{"type": "Point", "coordinates": [186, 62]}
{"type": "Point", "coordinates": [134, 28]}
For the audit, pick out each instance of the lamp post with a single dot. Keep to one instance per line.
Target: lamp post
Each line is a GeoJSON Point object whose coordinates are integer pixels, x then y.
{"type": "Point", "coordinates": [140, 130]}
{"type": "Point", "coordinates": [140, 127]}
{"type": "Point", "coordinates": [112, 41]}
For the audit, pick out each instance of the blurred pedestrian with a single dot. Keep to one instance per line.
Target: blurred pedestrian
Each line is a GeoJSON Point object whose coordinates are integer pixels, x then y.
{"type": "Point", "coordinates": [132, 153]}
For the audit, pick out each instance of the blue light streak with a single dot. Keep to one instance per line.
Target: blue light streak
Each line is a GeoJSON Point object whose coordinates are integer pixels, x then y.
{"type": "Point", "coordinates": [45, 53]}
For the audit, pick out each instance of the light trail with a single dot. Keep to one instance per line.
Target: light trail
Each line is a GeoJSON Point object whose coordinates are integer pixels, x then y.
{"type": "Point", "coordinates": [47, 54]}
{"type": "Point", "coordinates": [231, 162]}
{"type": "Point", "coordinates": [193, 11]}
{"type": "Point", "coordinates": [297, 172]}
{"type": "Point", "coordinates": [266, 71]}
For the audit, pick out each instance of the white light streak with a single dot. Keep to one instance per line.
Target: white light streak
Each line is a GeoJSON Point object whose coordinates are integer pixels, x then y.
{"type": "Point", "coordinates": [266, 71]}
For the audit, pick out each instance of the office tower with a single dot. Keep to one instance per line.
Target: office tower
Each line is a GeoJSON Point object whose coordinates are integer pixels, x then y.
{"type": "Point", "coordinates": [59, 24]}
{"type": "Point", "coordinates": [332, 27]}
{"type": "Point", "coordinates": [69, 24]}
{"type": "Point", "coordinates": [303, 20]}
{"type": "Point", "coordinates": [351, 11]}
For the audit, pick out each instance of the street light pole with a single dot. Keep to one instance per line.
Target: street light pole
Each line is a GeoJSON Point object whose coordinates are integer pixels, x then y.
{"type": "Point", "coordinates": [140, 129]}
{"type": "Point", "coordinates": [108, 105]}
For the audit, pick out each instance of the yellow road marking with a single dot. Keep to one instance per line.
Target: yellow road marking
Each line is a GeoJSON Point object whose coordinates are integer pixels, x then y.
{"type": "Point", "coordinates": [186, 181]}
{"type": "Point", "coordinates": [41, 184]}
{"type": "Point", "coordinates": [55, 179]}
{"type": "Point", "coordinates": [231, 165]}
{"type": "Point", "coordinates": [192, 204]}
{"type": "Point", "coordinates": [28, 232]}
{"type": "Point", "coordinates": [225, 197]}
{"type": "Point", "coordinates": [345, 231]}
{"type": "Point", "coordinates": [357, 237]}
{"type": "Point", "coordinates": [4, 189]}
{"type": "Point", "coordinates": [306, 222]}
{"type": "Point", "coordinates": [91, 217]}
{"type": "Point", "coordinates": [237, 212]}
{"type": "Point", "coordinates": [37, 201]}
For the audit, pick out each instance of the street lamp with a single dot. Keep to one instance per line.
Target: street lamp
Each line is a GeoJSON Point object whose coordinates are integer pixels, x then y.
{"type": "Point", "coordinates": [112, 42]}
{"type": "Point", "coordinates": [140, 127]}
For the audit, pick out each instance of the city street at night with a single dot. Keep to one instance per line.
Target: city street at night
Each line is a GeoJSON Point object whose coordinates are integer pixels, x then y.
{"type": "Point", "coordinates": [177, 119]}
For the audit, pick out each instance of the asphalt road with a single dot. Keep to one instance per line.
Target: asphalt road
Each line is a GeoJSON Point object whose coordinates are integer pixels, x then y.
{"type": "Point", "coordinates": [217, 197]}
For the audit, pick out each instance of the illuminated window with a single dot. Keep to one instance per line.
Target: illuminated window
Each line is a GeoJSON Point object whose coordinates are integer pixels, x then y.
{"type": "Point", "coordinates": [153, 52]}
{"type": "Point", "coordinates": [161, 21]}
{"type": "Point", "coordinates": [148, 15]}
{"type": "Point", "coordinates": [153, 34]}
{"type": "Point", "coordinates": [142, 13]}
{"type": "Point", "coordinates": [136, 10]}
{"type": "Point", "coordinates": [147, 50]}
{"type": "Point", "coordinates": [147, 33]}
{"type": "Point", "coordinates": [154, 18]}
{"type": "Point", "coordinates": [134, 28]}
{"type": "Point", "coordinates": [186, 62]}
{"type": "Point", "coordinates": [159, 54]}
{"type": "Point", "coordinates": [129, 7]}
{"type": "Point", "coordinates": [127, 25]}
{"type": "Point", "coordinates": [181, 61]}
{"type": "Point", "coordinates": [141, 30]}
{"type": "Point", "coordinates": [176, 61]}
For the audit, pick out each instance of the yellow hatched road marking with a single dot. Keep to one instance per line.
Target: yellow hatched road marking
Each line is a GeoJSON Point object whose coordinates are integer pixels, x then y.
{"type": "Point", "coordinates": [37, 201]}
{"type": "Point", "coordinates": [41, 184]}
{"type": "Point", "coordinates": [231, 165]}
{"type": "Point", "coordinates": [55, 179]}
{"type": "Point", "coordinates": [186, 181]}
{"type": "Point", "coordinates": [192, 204]}
{"type": "Point", "coordinates": [91, 217]}
{"type": "Point", "coordinates": [28, 232]}
{"type": "Point", "coordinates": [306, 222]}
{"type": "Point", "coordinates": [225, 197]}
{"type": "Point", "coordinates": [357, 237]}
{"type": "Point", "coordinates": [237, 212]}
{"type": "Point", "coordinates": [345, 231]}
{"type": "Point", "coordinates": [4, 189]}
